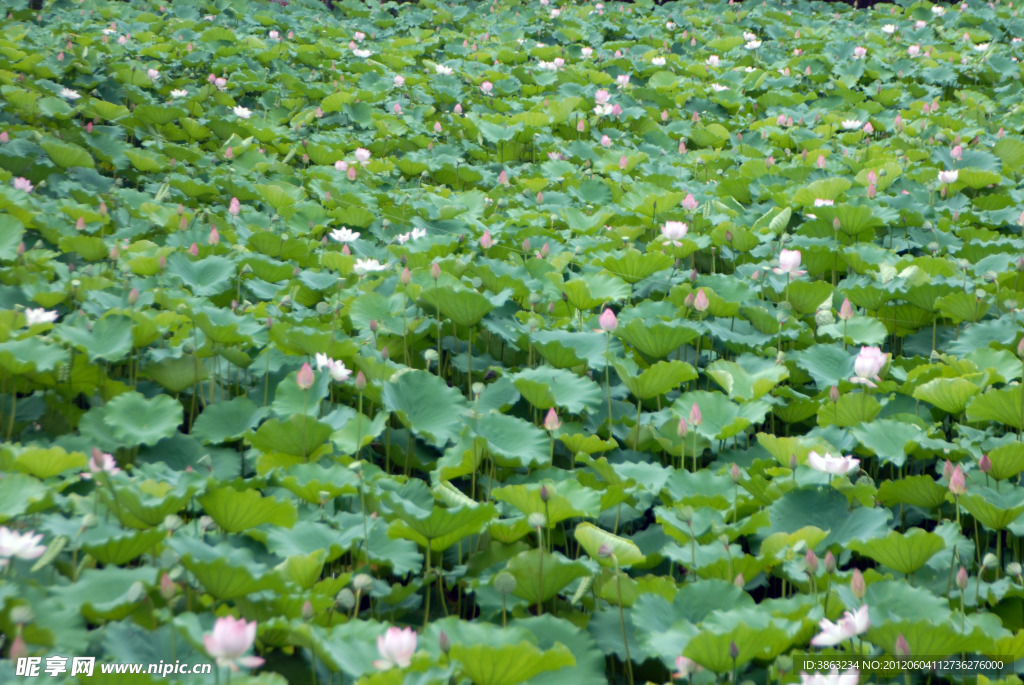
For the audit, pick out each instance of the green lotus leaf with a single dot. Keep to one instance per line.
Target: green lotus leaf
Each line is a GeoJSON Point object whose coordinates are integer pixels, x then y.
{"type": "Point", "coordinates": [625, 552]}
{"type": "Point", "coordinates": [204, 277]}
{"type": "Point", "coordinates": [859, 330]}
{"type": "Point", "coordinates": [541, 575]}
{"type": "Point", "coordinates": [633, 266]}
{"type": "Point", "coordinates": [509, 664]}
{"type": "Point", "coordinates": [1007, 460]}
{"type": "Point", "coordinates": [426, 405]}
{"type": "Point", "coordinates": [961, 306]}
{"type": "Point", "coordinates": [951, 395]}
{"type": "Point", "coordinates": [299, 435]}
{"type": "Point", "coordinates": [291, 399]}
{"type": "Point", "coordinates": [67, 155]}
{"type": "Point", "coordinates": [135, 420]}
{"type": "Point", "coordinates": [145, 504]}
{"type": "Point", "coordinates": [111, 545]}
{"type": "Point", "coordinates": [905, 553]}
{"type": "Point", "coordinates": [440, 528]}
{"type": "Point", "coordinates": [721, 418]}
{"type": "Point", "coordinates": [462, 306]}
{"type": "Point", "coordinates": [109, 593]}
{"type": "Point", "coordinates": [110, 338]}
{"type": "Point", "coordinates": [545, 387]}
{"type": "Point", "coordinates": [757, 637]}
{"type": "Point", "coordinates": [238, 510]}
{"type": "Point", "coordinates": [993, 509]}
{"type": "Point", "coordinates": [176, 373]}
{"type": "Point", "coordinates": [918, 491]}
{"type": "Point", "coordinates": [304, 570]}
{"type": "Point", "coordinates": [748, 377]}
{"type": "Point", "coordinates": [20, 494]}
{"type": "Point", "coordinates": [1005, 406]}
{"type": "Point", "coordinates": [226, 572]}
{"type": "Point", "coordinates": [852, 409]}
{"type": "Point", "coordinates": [655, 340]}
{"type": "Point", "coordinates": [594, 289]}
{"type": "Point", "coordinates": [511, 441]}
{"type": "Point", "coordinates": [227, 421]}
{"type": "Point", "coordinates": [928, 637]}
{"type": "Point", "coordinates": [565, 500]}
{"type": "Point", "coordinates": [48, 462]}
{"type": "Point", "coordinates": [890, 440]}
{"type": "Point", "coordinates": [660, 378]}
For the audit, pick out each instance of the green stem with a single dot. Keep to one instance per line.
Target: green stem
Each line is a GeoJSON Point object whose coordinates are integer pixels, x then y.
{"type": "Point", "coordinates": [622, 623]}
{"type": "Point", "coordinates": [607, 378]}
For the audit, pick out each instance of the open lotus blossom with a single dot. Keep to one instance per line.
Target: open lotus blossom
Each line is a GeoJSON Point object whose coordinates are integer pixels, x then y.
{"type": "Point", "coordinates": [20, 545]}
{"type": "Point", "coordinates": [622, 80]}
{"type": "Point", "coordinates": [487, 87]}
{"type": "Point", "coordinates": [689, 202]}
{"type": "Point", "coordinates": [70, 94]}
{"type": "Point", "coordinates": [789, 263]}
{"type": "Point", "coordinates": [444, 70]}
{"type": "Point", "coordinates": [914, 50]}
{"type": "Point", "coordinates": [658, 61]}
{"type": "Point", "coordinates": [860, 52]}
{"type": "Point", "coordinates": [362, 155]}
{"type": "Point", "coordinates": [834, 466]}
{"type": "Point", "coordinates": [242, 112]}
{"type": "Point", "coordinates": [22, 183]}
{"type": "Point", "coordinates": [362, 54]}
{"type": "Point", "coordinates": [153, 74]}
{"type": "Point", "coordinates": [274, 35]}
{"type": "Point", "coordinates": [718, 87]}
{"type": "Point", "coordinates": [889, 29]}
{"type": "Point", "coordinates": [345, 235]}
{"type": "Point", "coordinates": [674, 231]}
{"type": "Point", "coordinates": [602, 97]}
{"type": "Point", "coordinates": [981, 47]}
{"type": "Point", "coordinates": [938, 10]}
{"type": "Point", "coordinates": [399, 81]}
{"type": "Point", "coordinates": [851, 124]}
{"type": "Point", "coordinates": [414, 234]}
{"type": "Point", "coordinates": [823, 202]}
{"type": "Point", "coordinates": [869, 363]}
{"type": "Point", "coordinates": [101, 462]}
{"type": "Point", "coordinates": [337, 369]}
{"type": "Point", "coordinates": [230, 639]}
{"type": "Point", "coordinates": [947, 177]}
{"type": "Point", "coordinates": [341, 165]}
{"type": "Point", "coordinates": [752, 44]}
{"type": "Point", "coordinates": [712, 61]}
{"type": "Point", "coordinates": [850, 625]}
{"type": "Point", "coordinates": [833, 677]}
{"type": "Point", "coordinates": [179, 93]}
{"type": "Point", "coordinates": [34, 316]}
{"type": "Point", "coordinates": [396, 647]}
{"type": "Point", "coordinates": [365, 266]}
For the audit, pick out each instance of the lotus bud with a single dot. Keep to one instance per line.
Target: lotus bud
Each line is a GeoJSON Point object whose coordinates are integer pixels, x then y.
{"type": "Point", "coordinates": [985, 464]}
{"type": "Point", "coordinates": [133, 296]}
{"type": "Point", "coordinates": [21, 249]}
{"type": "Point", "coordinates": [435, 271]}
{"type": "Point", "coordinates": [1020, 348]}
{"type": "Point", "coordinates": [947, 469]}
{"type": "Point", "coordinates": [167, 587]}
{"type": "Point", "coordinates": [406, 277]}
{"type": "Point", "coordinates": [545, 250]}
{"type": "Point", "coordinates": [830, 562]}
{"type": "Point", "coordinates": [820, 162]}
{"type": "Point", "coordinates": [734, 651]}
{"type": "Point", "coordinates": [990, 561]}
{"type": "Point", "coordinates": [540, 197]}
{"type": "Point", "coordinates": [735, 474]}
{"type": "Point", "coordinates": [162, 262]}
{"type": "Point", "coordinates": [833, 393]}
{"type": "Point", "coordinates": [902, 648]}
{"type": "Point", "coordinates": [545, 493]}
{"type": "Point", "coordinates": [688, 300]}
{"type": "Point", "coordinates": [857, 585]}
{"type": "Point", "coordinates": [695, 416]}
{"type": "Point", "coordinates": [346, 599]}
{"type": "Point", "coordinates": [739, 581]}
{"type": "Point", "coordinates": [307, 611]}
{"type": "Point", "coordinates": [700, 301]}
{"type": "Point", "coordinates": [957, 482]}
{"type": "Point", "coordinates": [682, 428]}
{"type": "Point", "coordinates": [961, 578]}
{"type": "Point", "coordinates": [551, 420]}
{"type": "Point", "coordinates": [444, 642]}
{"type": "Point", "coordinates": [526, 245]}
{"type": "Point", "coordinates": [373, 325]}
{"type": "Point", "coordinates": [18, 649]}
{"type": "Point", "coordinates": [605, 551]}
{"type": "Point", "coordinates": [607, 320]}
{"type": "Point", "coordinates": [812, 561]}
{"type": "Point", "coordinates": [360, 381]}
{"type": "Point", "coordinates": [214, 238]}
{"type": "Point", "coordinates": [1014, 569]}
{"type": "Point", "coordinates": [114, 252]}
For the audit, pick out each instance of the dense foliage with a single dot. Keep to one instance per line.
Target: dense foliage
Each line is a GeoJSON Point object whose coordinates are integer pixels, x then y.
{"type": "Point", "coordinates": [511, 342]}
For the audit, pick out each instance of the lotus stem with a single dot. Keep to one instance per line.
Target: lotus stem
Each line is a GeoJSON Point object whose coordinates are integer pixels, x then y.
{"type": "Point", "coordinates": [622, 622]}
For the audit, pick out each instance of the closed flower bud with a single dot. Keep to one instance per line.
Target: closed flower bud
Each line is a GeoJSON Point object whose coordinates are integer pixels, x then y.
{"type": "Point", "coordinates": [830, 562]}
{"type": "Point", "coordinates": [902, 648]}
{"type": "Point", "coordinates": [985, 464]}
{"type": "Point", "coordinates": [961, 578]}
{"type": "Point", "coordinates": [812, 561]}
{"type": "Point", "coordinates": [857, 585]}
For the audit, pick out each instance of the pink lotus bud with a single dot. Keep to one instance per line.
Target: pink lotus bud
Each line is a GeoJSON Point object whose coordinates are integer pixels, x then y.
{"type": "Point", "coordinates": [947, 469]}
{"type": "Point", "coordinates": [857, 585]}
{"type": "Point", "coordinates": [902, 647]}
{"type": "Point", "coordinates": [961, 578]}
{"type": "Point", "coordinates": [580, 126]}
{"type": "Point", "coordinates": [605, 141]}
{"type": "Point", "coordinates": [437, 127]}
{"type": "Point", "coordinates": [664, 115]}
{"type": "Point", "coordinates": [740, 582]}
{"type": "Point", "coordinates": [545, 250]}
{"type": "Point", "coordinates": [872, 191]}
{"type": "Point", "coordinates": [607, 320]}
{"type": "Point", "coordinates": [735, 474]}
{"type": "Point", "coordinates": [406, 276]}
{"type": "Point", "coordinates": [682, 429]}
{"type": "Point", "coordinates": [304, 379]}
{"type": "Point", "coordinates": [114, 252]}
{"type": "Point", "coordinates": [360, 381]}
{"type": "Point", "coordinates": [551, 421]}
{"type": "Point", "coordinates": [770, 161]}
{"type": "Point", "coordinates": [4, 137]}
{"type": "Point", "coordinates": [700, 302]}
{"type": "Point", "coordinates": [18, 649]}
{"type": "Point", "coordinates": [623, 162]}
{"type": "Point", "coordinates": [616, 110]}
{"type": "Point", "coordinates": [688, 300]}
{"type": "Point", "coordinates": [229, 154]}
{"type": "Point", "coordinates": [307, 611]}
{"type": "Point", "coordinates": [214, 235]}
{"type": "Point", "coordinates": [830, 562]}
{"type": "Point", "coordinates": [194, 250]}
{"type": "Point", "coordinates": [458, 108]}
{"type": "Point", "coordinates": [695, 117]}
{"type": "Point", "coordinates": [526, 245]}
{"type": "Point", "coordinates": [868, 128]}
{"type": "Point", "coordinates": [846, 310]}
{"type": "Point", "coordinates": [540, 197]}
{"type": "Point", "coordinates": [812, 561]}
{"type": "Point", "coordinates": [957, 152]}
{"type": "Point", "coordinates": [781, 121]}
{"type": "Point", "coordinates": [435, 271]}
{"type": "Point", "coordinates": [397, 109]}
{"type": "Point", "coordinates": [985, 464]}
{"type": "Point", "coordinates": [833, 394]}
{"type": "Point", "coordinates": [352, 173]}
{"type": "Point", "coordinates": [957, 482]}
{"type": "Point", "coordinates": [820, 161]}
{"type": "Point", "coordinates": [503, 178]}
{"type": "Point", "coordinates": [485, 239]}
{"type": "Point", "coordinates": [695, 416]}
{"type": "Point", "coordinates": [167, 587]}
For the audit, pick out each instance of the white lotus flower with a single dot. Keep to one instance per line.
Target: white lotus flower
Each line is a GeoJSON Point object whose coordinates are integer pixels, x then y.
{"type": "Point", "coordinates": [34, 316]}
{"type": "Point", "coordinates": [981, 47]}
{"type": "Point", "coordinates": [947, 177]}
{"type": "Point", "coordinates": [442, 69]}
{"type": "Point", "coordinates": [851, 124]}
{"type": "Point", "coordinates": [179, 93]}
{"type": "Point", "coordinates": [242, 112]}
{"type": "Point", "coordinates": [718, 87]}
{"type": "Point", "coordinates": [70, 94]}
{"type": "Point", "coordinates": [834, 466]}
{"type": "Point", "coordinates": [889, 29]}
{"type": "Point", "coordinates": [345, 235]}
{"type": "Point", "coordinates": [361, 53]}
{"type": "Point", "coordinates": [752, 44]}
{"type": "Point", "coordinates": [365, 266]}
{"type": "Point", "coordinates": [658, 61]}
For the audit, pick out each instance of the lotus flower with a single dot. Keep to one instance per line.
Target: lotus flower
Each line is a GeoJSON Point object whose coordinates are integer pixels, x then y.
{"type": "Point", "coordinates": [486, 240]}
{"type": "Point", "coordinates": [834, 466]}
{"type": "Point", "coordinates": [365, 266]}
{"type": "Point", "coordinates": [551, 420]}
{"type": "Point", "coordinates": [851, 124]}
{"type": "Point", "coordinates": [860, 52]}
{"type": "Point", "coordinates": [231, 638]}
{"type": "Point", "coordinates": [399, 81]}
{"type": "Point", "coordinates": [396, 648]}
{"type": "Point", "coordinates": [685, 666]}
{"type": "Point", "coordinates": [344, 235]}
{"type": "Point", "coordinates": [362, 155]}
{"type": "Point", "coordinates": [689, 202]}
{"type": "Point", "coordinates": [487, 87]}
{"type": "Point", "coordinates": [34, 316]}
{"type": "Point", "coordinates": [700, 302]}
{"type": "Point", "coordinates": [834, 677]}
{"type": "Point", "coordinates": [957, 482]}
{"type": "Point", "coordinates": [20, 545]}
{"type": "Point", "coordinates": [234, 207]}
{"type": "Point", "coordinates": [70, 94]}
{"type": "Point", "coordinates": [443, 70]}
{"type": "Point", "coordinates": [153, 74]}
{"type": "Point", "coordinates": [304, 378]}
{"type": "Point", "coordinates": [179, 93]}
{"type": "Point", "coordinates": [101, 462]}
{"type": "Point", "coordinates": [336, 368]}
{"type": "Point", "coordinates": [22, 183]}
{"type": "Point", "coordinates": [674, 231]}
{"type": "Point", "coordinates": [712, 61]}
{"type": "Point", "coordinates": [850, 625]}
{"type": "Point", "coordinates": [696, 418]}
{"type": "Point", "coordinates": [947, 177]}
{"type": "Point", "coordinates": [889, 29]}
{"type": "Point", "coordinates": [869, 363]}
{"type": "Point", "coordinates": [789, 263]}
{"type": "Point", "coordinates": [242, 112]}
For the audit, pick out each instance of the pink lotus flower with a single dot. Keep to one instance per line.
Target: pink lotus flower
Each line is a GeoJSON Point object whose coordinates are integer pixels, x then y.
{"type": "Point", "coordinates": [696, 418]}
{"type": "Point", "coordinates": [701, 303]}
{"type": "Point", "coordinates": [101, 462]}
{"type": "Point", "coordinates": [396, 648]}
{"type": "Point", "coordinates": [551, 420]}
{"type": "Point", "coordinates": [957, 152]}
{"type": "Point", "coordinates": [274, 35]}
{"type": "Point", "coordinates": [4, 137]}
{"type": "Point", "coordinates": [153, 74]}
{"type": "Point", "coordinates": [850, 625]}
{"type": "Point", "coordinates": [673, 231]}
{"type": "Point", "coordinates": [834, 677]}
{"type": "Point", "coordinates": [860, 52]}
{"type": "Point", "coordinates": [503, 178]}
{"type": "Point", "coordinates": [341, 165]}
{"type": "Point", "coordinates": [487, 87]}
{"type": "Point", "coordinates": [397, 109]}
{"type": "Point", "coordinates": [834, 466]}
{"type": "Point", "coordinates": [485, 240]}
{"type": "Point", "coordinates": [399, 81]}
{"type": "Point", "coordinates": [351, 173]}
{"type": "Point", "coordinates": [231, 638]}
{"type": "Point", "coordinates": [458, 108]}
{"type": "Point", "coordinates": [623, 162]}
{"type": "Point", "coordinates": [234, 207]}
{"type": "Point", "coordinates": [685, 667]}
{"type": "Point", "coordinates": [789, 263]}
{"type": "Point", "coordinates": [22, 183]}
{"type": "Point", "coordinates": [607, 320]}
{"type": "Point", "coordinates": [606, 141]}
{"type": "Point", "coordinates": [437, 127]}
{"type": "Point", "coordinates": [304, 379]}
{"type": "Point", "coordinates": [689, 202]}
{"type": "Point", "coordinates": [846, 310]}
{"type": "Point", "coordinates": [20, 545]}
{"type": "Point", "coordinates": [362, 155]}
{"type": "Point", "coordinates": [869, 363]}
{"type": "Point", "coordinates": [214, 238]}
{"type": "Point", "coordinates": [602, 97]}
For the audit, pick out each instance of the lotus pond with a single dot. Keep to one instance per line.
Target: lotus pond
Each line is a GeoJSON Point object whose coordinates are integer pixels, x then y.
{"type": "Point", "coordinates": [514, 342]}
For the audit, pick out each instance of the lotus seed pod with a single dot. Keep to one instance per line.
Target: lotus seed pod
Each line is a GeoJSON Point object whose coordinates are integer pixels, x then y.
{"type": "Point", "coordinates": [990, 561]}
{"type": "Point", "coordinates": [505, 583]}
{"type": "Point", "coordinates": [1014, 569]}
{"type": "Point", "coordinates": [346, 599]}
{"type": "Point", "coordinates": [362, 582]}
